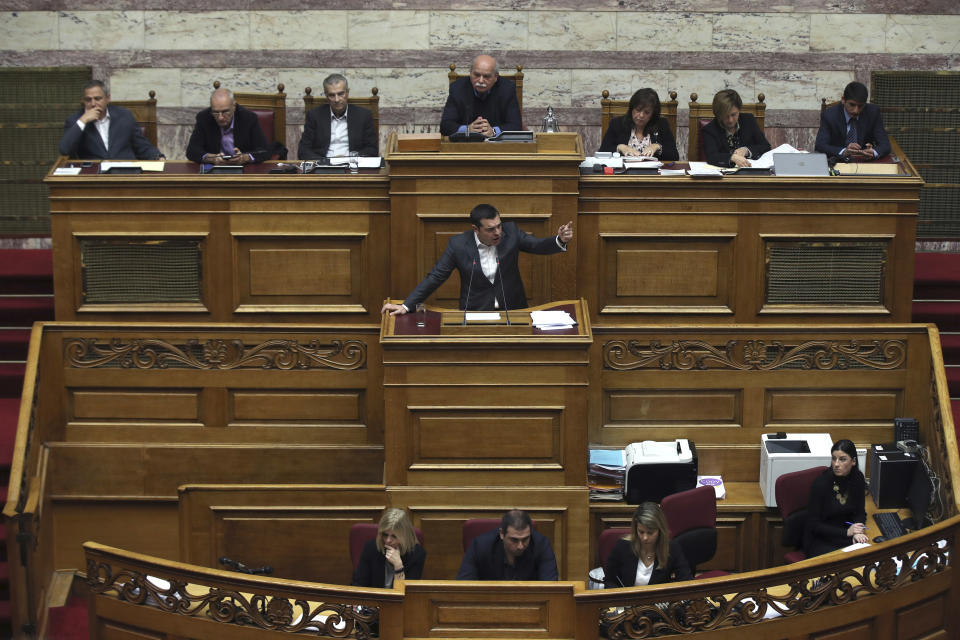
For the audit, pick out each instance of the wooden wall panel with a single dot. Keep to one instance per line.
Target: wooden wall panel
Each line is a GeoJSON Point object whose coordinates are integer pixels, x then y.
{"type": "Point", "coordinates": [298, 407]}
{"type": "Point", "coordinates": [303, 531]}
{"type": "Point", "coordinates": [154, 470]}
{"type": "Point", "coordinates": [711, 407]}
{"type": "Point", "coordinates": [648, 273]}
{"type": "Point", "coordinates": [141, 405]}
{"type": "Point", "coordinates": [926, 619]}
{"type": "Point", "coordinates": [840, 407]}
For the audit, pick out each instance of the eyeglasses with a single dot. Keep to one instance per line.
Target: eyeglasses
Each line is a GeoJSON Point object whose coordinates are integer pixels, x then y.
{"type": "Point", "coordinates": [222, 113]}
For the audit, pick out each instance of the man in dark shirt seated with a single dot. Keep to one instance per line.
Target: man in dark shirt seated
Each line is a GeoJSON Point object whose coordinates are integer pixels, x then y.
{"type": "Point", "coordinates": [226, 133]}
{"type": "Point", "coordinates": [853, 130]}
{"type": "Point", "coordinates": [513, 552]}
{"type": "Point", "coordinates": [482, 103]}
{"type": "Point", "coordinates": [103, 131]}
{"type": "Point", "coordinates": [337, 129]}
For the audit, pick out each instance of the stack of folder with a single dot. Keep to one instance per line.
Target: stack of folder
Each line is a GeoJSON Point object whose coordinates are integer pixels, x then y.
{"type": "Point", "coordinates": [606, 474]}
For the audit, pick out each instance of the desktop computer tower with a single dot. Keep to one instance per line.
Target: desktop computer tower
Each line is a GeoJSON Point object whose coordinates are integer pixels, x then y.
{"type": "Point", "coordinates": [891, 471]}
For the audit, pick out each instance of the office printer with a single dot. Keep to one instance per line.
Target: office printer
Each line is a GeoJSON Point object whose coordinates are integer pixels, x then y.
{"type": "Point", "coordinates": [657, 469]}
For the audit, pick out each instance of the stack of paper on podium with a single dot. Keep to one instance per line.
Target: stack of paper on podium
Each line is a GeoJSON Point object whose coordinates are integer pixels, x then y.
{"type": "Point", "coordinates": [552, 319]}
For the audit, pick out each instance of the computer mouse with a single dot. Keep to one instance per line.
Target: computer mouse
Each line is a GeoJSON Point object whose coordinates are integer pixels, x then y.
{"type": "Point", "coordinates": [880, 539]}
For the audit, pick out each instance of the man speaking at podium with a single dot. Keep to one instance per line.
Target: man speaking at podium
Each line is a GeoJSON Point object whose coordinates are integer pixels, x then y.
{"type": "Point", "coordinates": [487, 259]}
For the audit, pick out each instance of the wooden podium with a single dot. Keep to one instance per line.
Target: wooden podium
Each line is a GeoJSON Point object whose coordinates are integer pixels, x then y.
{"type": "Point", "coordinates": [485, 404]}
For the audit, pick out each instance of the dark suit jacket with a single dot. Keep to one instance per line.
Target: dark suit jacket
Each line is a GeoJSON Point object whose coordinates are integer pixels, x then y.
{"type": "Point", "coordinates": [372, 566]}
{"type": "Point", "coordinates": [485, 560]}
{"type": "Point", "coordinates": [316, 133]}
{"type": "Point", "coordinates": [619, 130]}
{"type": "Point", "coordinates": [715, 140]}
{"type": "Point", "coordinates": [462, 254]}
{"type": "Point", "coordinates": [826, 526]}
{"type": "Point", "coordinates": [499, 106]}
{"type": "Point", "coordinates": [247, 135]}
{"type": "Point", "coordinates": [832, 136]}
{"type": "Point", "coordinates": [126, 138]}
{"type": "Point", "coordinates": [620, 569]}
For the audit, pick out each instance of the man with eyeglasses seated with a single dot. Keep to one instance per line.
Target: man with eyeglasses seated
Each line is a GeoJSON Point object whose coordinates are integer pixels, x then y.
{"type": "Point", "coordinates": [99, 130]}
{"type": "Point", "coordinates": [226, 133]}
{"type": "Point", "coordinates": [482, 103]}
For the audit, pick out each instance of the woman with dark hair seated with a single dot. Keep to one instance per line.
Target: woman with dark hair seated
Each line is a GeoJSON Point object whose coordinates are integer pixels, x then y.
{"type": "Point", "coordinates": [641, 131]}
{"type": "Point", "coordinates": [647, 555]}
{"type": "Point", "coordinates": [395, 552]}
{"type": "Point", "coordinates": [732, 138]}
{"type": "Point", "coordinates": [835, 511]}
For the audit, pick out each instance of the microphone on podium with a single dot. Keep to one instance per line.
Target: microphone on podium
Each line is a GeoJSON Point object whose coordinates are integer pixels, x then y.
{"type": "Point", "coordinates": [506, 311]}
{"type": "Point", "coordinates": [466, 303]}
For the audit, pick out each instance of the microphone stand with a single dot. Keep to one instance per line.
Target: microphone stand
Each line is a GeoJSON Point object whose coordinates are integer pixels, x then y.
{"type": "Point", "coordinates": [506, 311]}
{"type": "Point", "coordinates": [466, 303]}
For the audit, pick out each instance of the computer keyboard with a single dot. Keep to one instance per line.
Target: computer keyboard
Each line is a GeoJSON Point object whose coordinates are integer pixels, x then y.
{"type": "Point", "coordinates": [890, 524]}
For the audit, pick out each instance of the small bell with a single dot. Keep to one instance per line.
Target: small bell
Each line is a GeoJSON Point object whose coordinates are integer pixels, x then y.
{"type": "Point", "coordinates": [550, 124]}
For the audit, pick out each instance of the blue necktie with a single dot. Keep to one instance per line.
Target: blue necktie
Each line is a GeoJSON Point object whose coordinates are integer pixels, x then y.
{"type": "Point", "coordinates": [852, 131]}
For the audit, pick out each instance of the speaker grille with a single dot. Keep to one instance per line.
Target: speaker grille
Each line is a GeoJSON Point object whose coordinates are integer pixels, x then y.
{"type": "Point", "coordinates": [841, 273]}
{"type": "Point", "coordinates": [141, 271]}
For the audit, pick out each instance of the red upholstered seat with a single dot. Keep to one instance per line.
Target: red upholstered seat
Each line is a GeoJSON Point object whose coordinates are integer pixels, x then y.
{"type": "Point", "coordinates": [792, 492]}
{"type": "Point", "coordinates": [692, 517]}
{"type": "Point", "coordinates": [607, 541]}
{"type": "Point", "coordinates": [474, 527]}
{"type": "Point", "coordinates": [266, 119]}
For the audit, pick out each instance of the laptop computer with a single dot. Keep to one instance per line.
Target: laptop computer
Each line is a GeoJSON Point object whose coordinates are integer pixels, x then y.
{"type": "Point", "coordinates": [800, 164]}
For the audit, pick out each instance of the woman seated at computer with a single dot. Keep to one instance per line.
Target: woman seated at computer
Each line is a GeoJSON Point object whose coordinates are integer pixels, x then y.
{"type": "Point", "coordinates": [835, 513]}
{"type": "Point", "coordinates": [641, 131]}
{"type": "Point", "coordinates": [395, 552]}
{"type": "Point", "coordinates": [732, 138]}
{"type": "Point", "coordinates": [647, 555]}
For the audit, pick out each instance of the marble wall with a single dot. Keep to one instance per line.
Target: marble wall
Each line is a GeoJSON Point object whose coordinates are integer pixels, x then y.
{"type": "Point", "coordinates": [793, 51]}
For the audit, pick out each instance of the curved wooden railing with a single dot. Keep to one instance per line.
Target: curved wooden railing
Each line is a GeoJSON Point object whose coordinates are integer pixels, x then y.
{"type": "Point", "coordinates": [151, 594]}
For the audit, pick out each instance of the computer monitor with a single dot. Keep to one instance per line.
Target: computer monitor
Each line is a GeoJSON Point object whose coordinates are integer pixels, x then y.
{"type": "Point", "coordinates": [919, 498]}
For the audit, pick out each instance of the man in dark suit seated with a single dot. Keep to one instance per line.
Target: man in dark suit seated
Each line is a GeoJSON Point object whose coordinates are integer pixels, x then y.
{"type": "Point", "coordinates": [853, 130]}
{"type": "Point", "coordinates": [99, 130]}
{"type": "Point", "coordinates": [226, 133]}
{"type": "Point", "coordinates": [339, 129]}
{"type": "Point", "coordinates": [513, 552]}
{"type": "Point", "coordinates": [481, 103]}
{"type": "Point", "coordinates": [487, 259]}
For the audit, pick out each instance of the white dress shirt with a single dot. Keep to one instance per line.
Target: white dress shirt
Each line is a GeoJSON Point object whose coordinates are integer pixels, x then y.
{"type": "Point", "coordinates": [339, 138]}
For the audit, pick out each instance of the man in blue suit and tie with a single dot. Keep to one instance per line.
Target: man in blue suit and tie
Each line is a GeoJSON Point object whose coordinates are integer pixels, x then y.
{"type": "Point", "coordinates": [852, 130]}
{"type": "Point", "coordinates": [101, 131]}
{"type": "Point", "coordinates": [487, 259]}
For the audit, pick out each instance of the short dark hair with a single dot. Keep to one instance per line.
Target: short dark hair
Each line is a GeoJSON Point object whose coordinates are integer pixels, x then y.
{"type": "Point", "coordinates": [856, 91]}
{"type": "Point", "coordinates": [724, 101]}
{"type": "Point", "coordinates": [516, 518]}
{"type": "Point", "coordinates": [648, 98]}
{"type": "Point", "coordinates": [483, 212]}
{"type": "Point", "coordinates": [95, 83]}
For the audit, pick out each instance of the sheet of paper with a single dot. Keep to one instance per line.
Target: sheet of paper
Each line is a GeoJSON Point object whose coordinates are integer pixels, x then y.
{"type": "Point", "coordinates": [481, 316]}
{"type": "Point", "coordinates": [641, 162]}
{"type": "Point", "coordinates": [66, 171]}
{"type": "Point", "coordinates": [145, 165]}
{"type": "Point", "coordinates": [766, 160]}
{"type": "Point", "coordinates": [673, 172]}
{"type": "Point", "coordinates": [339, 160]}
{"type": "Point", "coordinates": [552, 319]}
{"type": "Point", "coordinates": [370, 163]}
{"type": "Point", "coordinates": [704, 169]}
{"type": "Point", "coordinates": [615, 163]}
